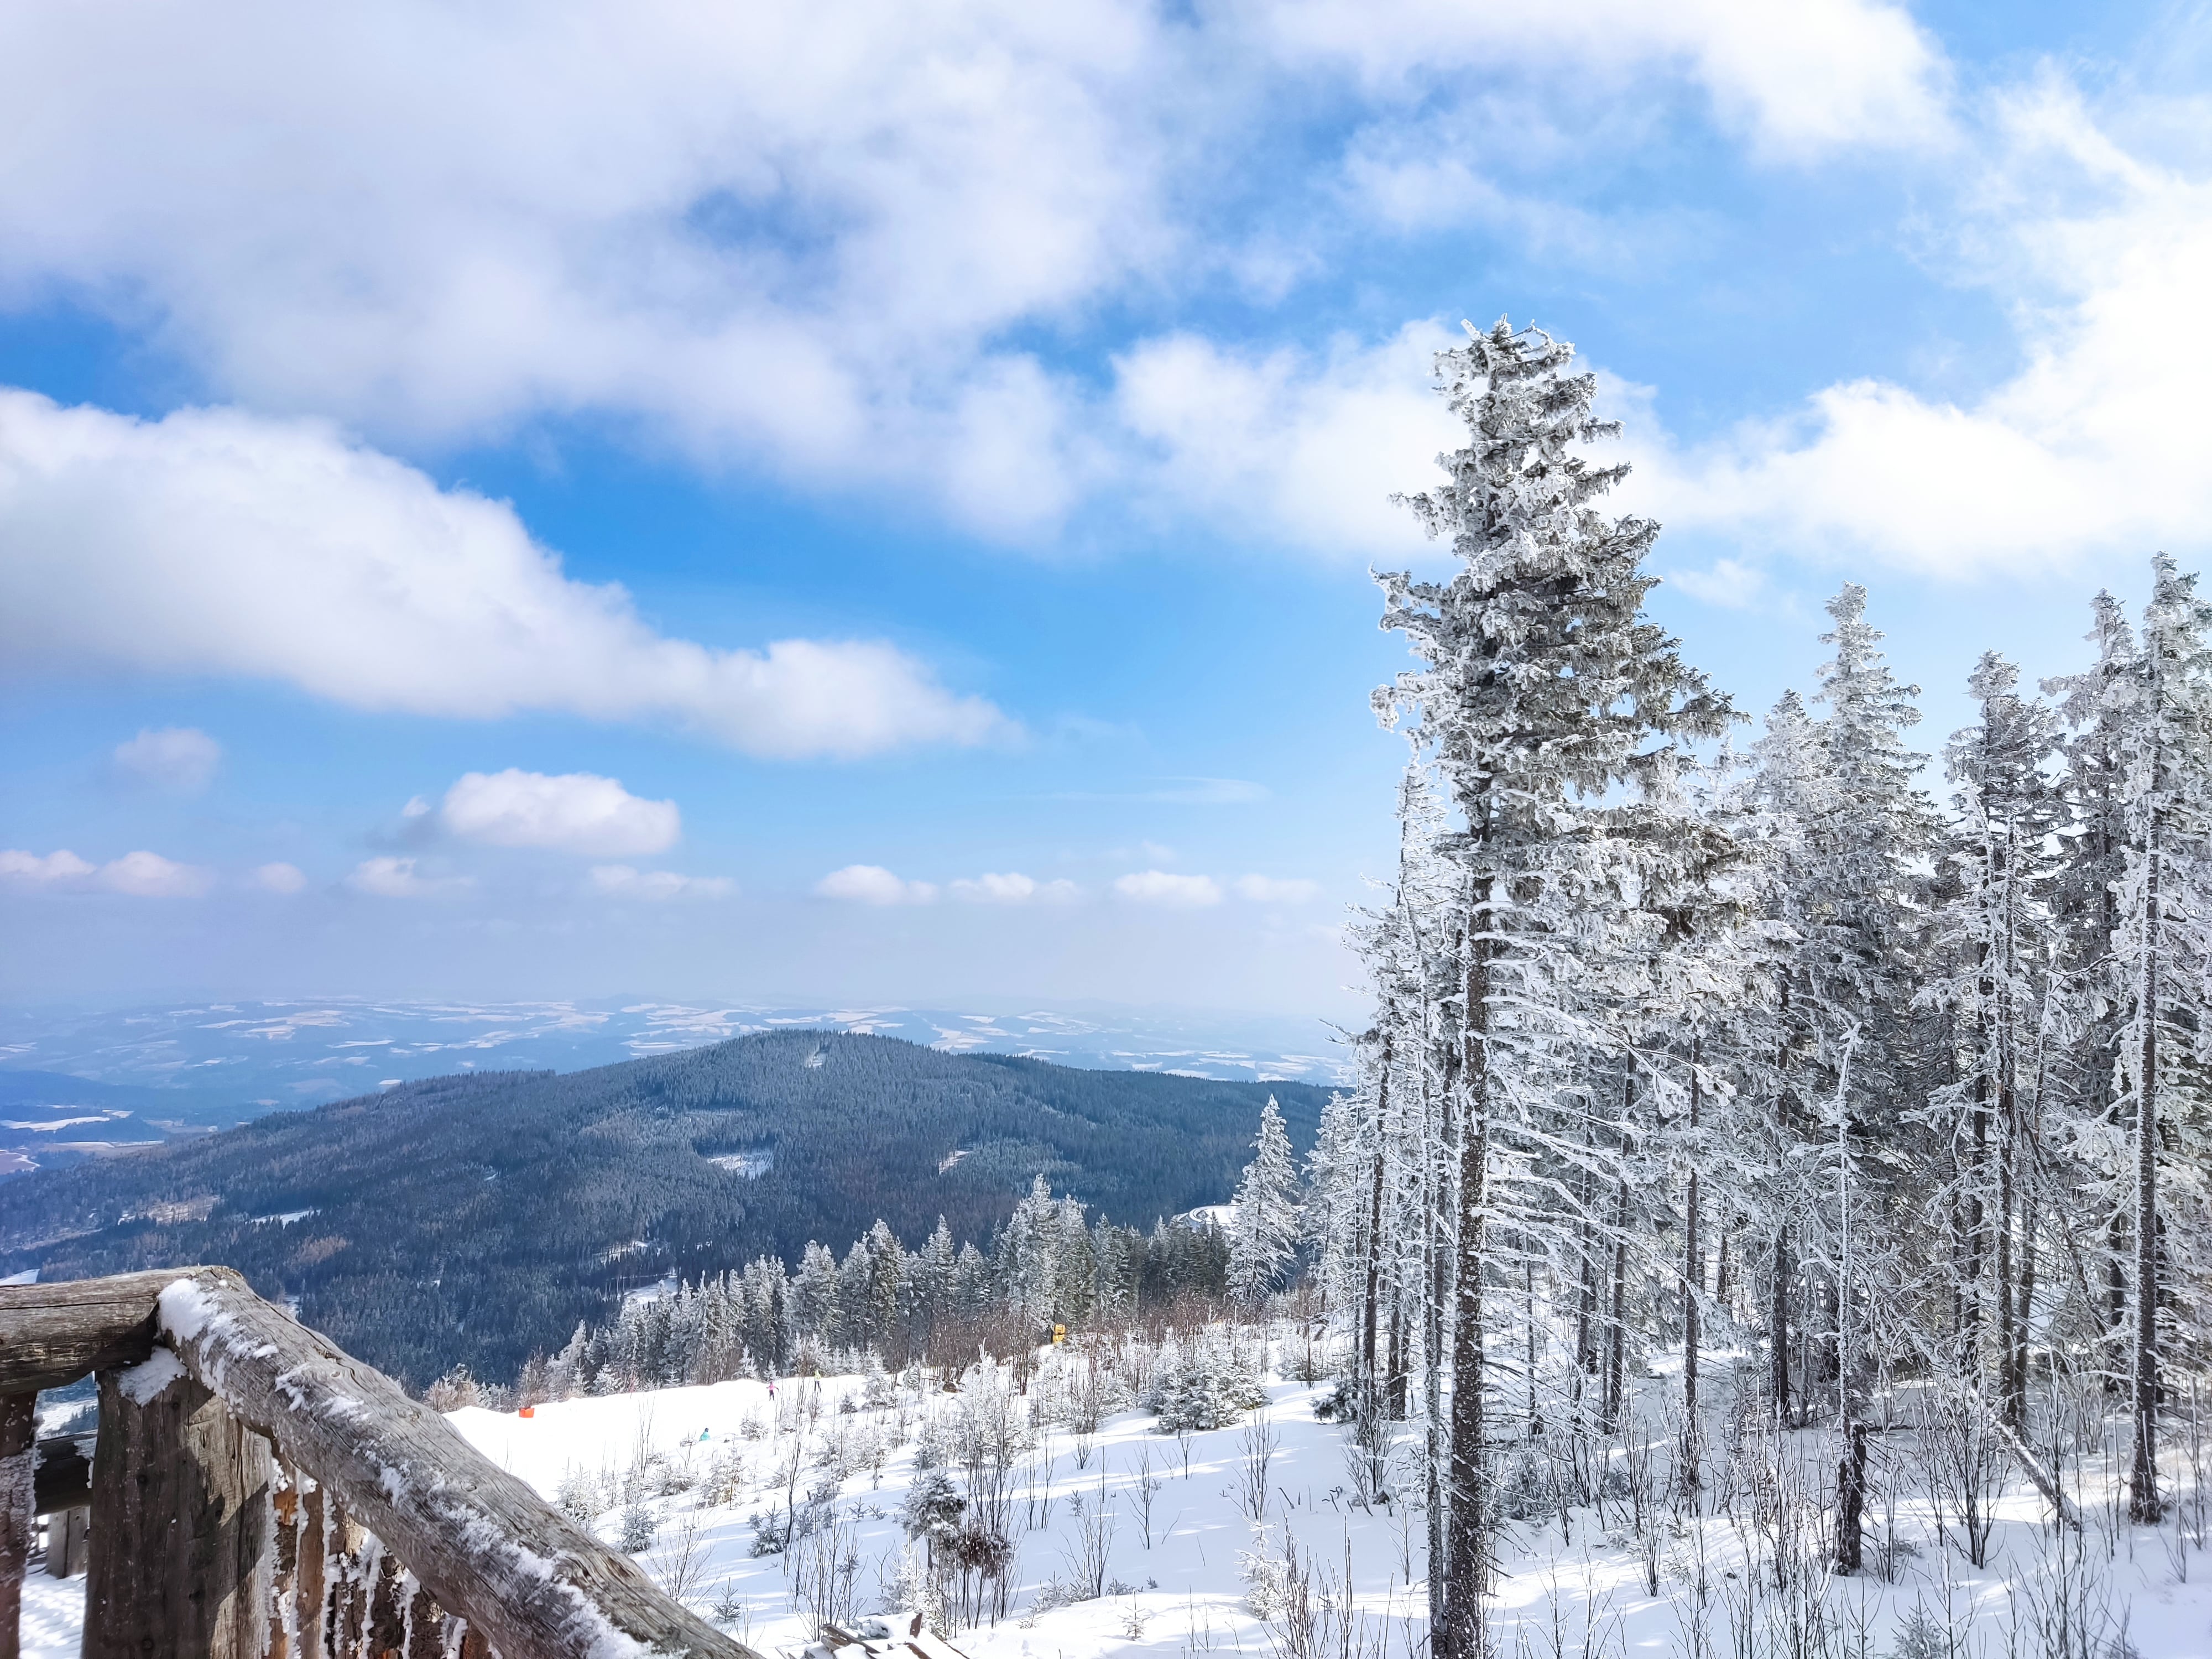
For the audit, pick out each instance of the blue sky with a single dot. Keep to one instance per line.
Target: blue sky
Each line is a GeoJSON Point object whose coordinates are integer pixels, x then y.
{"type": "Point", "coordinates": [874, 501]}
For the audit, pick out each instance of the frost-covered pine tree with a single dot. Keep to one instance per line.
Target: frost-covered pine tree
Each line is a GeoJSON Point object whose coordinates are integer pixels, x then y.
{"type": "Point", "coordinates": [2165, 947]}
{"type": "Point", "coordinates": [1853, 834]}
{"type": "Point", "coordinates": [1994, 948]}
{"type": "Point", "coordinates": [2097, 706]}
{"type": "Point", "coordinates": [1546, 698]}
{"type": "Point", "coordinates": [1263, 1239]}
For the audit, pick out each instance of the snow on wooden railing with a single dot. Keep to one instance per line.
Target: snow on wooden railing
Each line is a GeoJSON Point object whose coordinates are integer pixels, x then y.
{"type": "Point", "coordinates": [258, 1493]}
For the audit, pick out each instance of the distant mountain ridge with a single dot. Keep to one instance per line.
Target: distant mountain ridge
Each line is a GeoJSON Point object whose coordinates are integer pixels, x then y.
{"type": "Point", "coordinates": [477, 1217]}
{"type": "Point", "coordinates": [221, 1063]}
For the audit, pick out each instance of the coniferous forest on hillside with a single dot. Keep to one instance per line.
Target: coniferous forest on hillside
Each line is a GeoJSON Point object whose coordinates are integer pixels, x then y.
{"type": "Point", "coordinates": [475, 1219]}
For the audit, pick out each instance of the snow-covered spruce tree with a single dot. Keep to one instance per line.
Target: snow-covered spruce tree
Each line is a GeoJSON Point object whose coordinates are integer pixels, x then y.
{"type": "Point", "coordinates": [1263, 1240]}
{"type": "Point", "coordinates": [2097, 706]}
{"type": "Point", "coordinates": [1995, 947]}
{"type": "Point", "coordinates": [2165, 947]}
{"type": "Point", "coordinates": [1546, 700]}
{"type": "Point", "coordinates": [1855, 832]}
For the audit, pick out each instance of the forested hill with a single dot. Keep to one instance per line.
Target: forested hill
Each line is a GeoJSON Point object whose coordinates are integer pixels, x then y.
{"type": "Point", "coordinates": [477, 1217]}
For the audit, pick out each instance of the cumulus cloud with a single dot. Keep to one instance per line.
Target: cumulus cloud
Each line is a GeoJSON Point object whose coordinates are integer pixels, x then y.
{"type": "Point", "coordinates": [1307, 447]}
{"type": "Point", "coordinates": [397, 878]}
{"type": "Point", "coordinates": [179, 758]}
{"type": "Point", "coordinates": [1798, 81]}
{"type": "Point", "coordinates": [871, 883]}
{"type": "Point", "coordinates": [622, 881]}
{"type": "Point", "coordinates": [1269, 889]}
{"type": "Point", "coordinates": [53, 869]}
{"type": "Point", "coordinates": [2097, 250]}
{"type": "Point", "coordinates": [215, 542]}
{"type": "Point", "coordinates": [140, 874]}
{"type": "Point", "coordinates": [769, 234]}
{"type": "Point", "coordinates": [572, 812]}
{"type": "Point", "coordinates": [1014, 888]}
{"type": "Point", "coordinates": [1171, 892]}
{"type": "Point", "coordinates": [280, 879]}
{"type": "Point", "coordinates": [2091, 449]}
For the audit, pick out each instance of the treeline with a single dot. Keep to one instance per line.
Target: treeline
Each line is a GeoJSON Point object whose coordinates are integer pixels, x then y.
{"type": "Point", "coordinates": [1676, 1046]}
{"type": "Point", "coordinates": [1050, 1264]}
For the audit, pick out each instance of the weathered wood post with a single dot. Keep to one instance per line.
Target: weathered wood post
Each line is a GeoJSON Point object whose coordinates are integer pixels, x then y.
{"type": "Point", "coordinates": [18, 1424]}
{"type": "Point", "coordinates": [380, 1527]}
{"type": "Point", "coordinates": [180, 1559]}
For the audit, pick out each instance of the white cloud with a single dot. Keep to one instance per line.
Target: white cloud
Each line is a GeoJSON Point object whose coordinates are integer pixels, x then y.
{"type": "Point", "coordinates": [2091, 450]}
{"type": "Point", "coordinates": [1014, 888]}
{"type": "Point", "coordinates": [1176, 892]}
{"type": "Point", "coordinates": [397, 878]}
{"type": "Point", "coordinates": [53, 869]}
{"type": "Point", "coordinates": [214, 542]}
{"type": "Point", "coordinates": [140, 874]}
{"type": "Point", "coordinates": [871, 883]}
{"type": "Point", "coordinates": [573, 813]}
{"type": "Point", "coordinates": [769, 234]}
{"type": "Point", "coordinates": [178, 758]}
{"type": "Point", "coordinates": [1300, 449]}
{"type": "Point", "coordinates": [1269, 889]}
{"type": "Point", "coordinates": [657, 886]}
{"type": "Point", "coordinates": [280, 879]}
{"type": "Point", "coordinates": [148, 875]}
{"type": "Point", "coordinates": [1797, 80]}
{"type": "Point", "coordinates": [1730, 584]}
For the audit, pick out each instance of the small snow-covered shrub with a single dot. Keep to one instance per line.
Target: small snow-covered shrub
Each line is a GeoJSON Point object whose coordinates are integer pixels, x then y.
{"type": "Point", "coordinates": [638, 1529]}
{"type": "Point", "coordinates": [1266, 1583]}
{"type": "Point", "coordinates": [455, 1389]}
{"type": "Point", "coordinates": [1524, 1489]}
{"type": "Point", "coordinates": [1339, 1405]}
{"type": "Point", "coordinates": [577, 1496]}
{"type": "Point", "coordinates": [770, 1533]}
{"type": "Point", "coordinates": [725, 1478]}
{"type": "Point", "coordinates": [929, 1444]}
{"type": "Point", "coordinates": [1207, 1384]}
{"type": "Point", "coordinates": [1919, 1636]}
{"type": "Point", "coordinates": [932, 1509]}
{"type": "Point", "coordinates": [875, 1385]}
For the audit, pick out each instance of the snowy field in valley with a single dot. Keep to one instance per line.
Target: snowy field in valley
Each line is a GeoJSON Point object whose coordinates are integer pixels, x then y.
{"type": "Point", "coordinates": [1242, 1540]}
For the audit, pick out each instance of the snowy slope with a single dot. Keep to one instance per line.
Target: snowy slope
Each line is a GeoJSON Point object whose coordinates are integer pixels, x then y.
{"type": "Point", "coordinates": [1189, 1590]}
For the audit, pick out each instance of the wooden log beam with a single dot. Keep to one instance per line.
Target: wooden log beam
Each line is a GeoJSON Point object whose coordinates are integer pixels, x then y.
{"type": "Point", "coordinates": [61, 1478]}
{"type": "Point", "coordinates": [18, 1428]}
{"type": "Point", "coordinates": [485, 1546]}
{"type": "Point", "coordinates": [180, 1559]}
{"type": "Point", "coordinates": [53, 1336]}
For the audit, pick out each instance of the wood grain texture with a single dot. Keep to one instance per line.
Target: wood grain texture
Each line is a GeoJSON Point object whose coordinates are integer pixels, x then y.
{"type": "Point", "coordinates": [180, 1560]}
{"type": "Point", "coordinates": [484, 1546]}
{"type": "Point", "coordinates": [52, 1335]}
{"type": "Point", "coordinates": [18, 1426]}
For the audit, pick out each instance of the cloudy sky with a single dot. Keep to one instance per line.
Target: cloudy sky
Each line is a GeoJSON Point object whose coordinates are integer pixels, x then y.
{"type": "Point", "coordinates": [874, 501]}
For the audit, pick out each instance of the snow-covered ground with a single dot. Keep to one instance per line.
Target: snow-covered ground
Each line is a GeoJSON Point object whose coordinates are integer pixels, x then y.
{"type": "Point", "coordinates": [1180, 1568]}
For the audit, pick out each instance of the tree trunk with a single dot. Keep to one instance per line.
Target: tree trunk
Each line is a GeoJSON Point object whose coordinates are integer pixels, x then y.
{"type": "Point", "coordinates": [1436, 1298]}
{"type": "Point", "coordinates": [1693, 1276]}
{"type": "Point", "coordinates": [2145, 1505]}
{"type": "Point", "coordinates": [1970, 1326]}
{"type": "Point", "coordinates": [1467, 1569]}
{"type": "Point", "coordinates": [1778, 1327]}
{"type": "Point", "coordinates": [1850, 1499]}
{"type": "Point", "coordinates": [1367, 1367]}
{"type": "Point", "coordinates": [1616, 1336]}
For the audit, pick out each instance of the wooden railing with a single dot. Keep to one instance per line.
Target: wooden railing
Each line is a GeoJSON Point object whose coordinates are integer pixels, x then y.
{"type": "Point", "coordinates": [258, 1493]}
